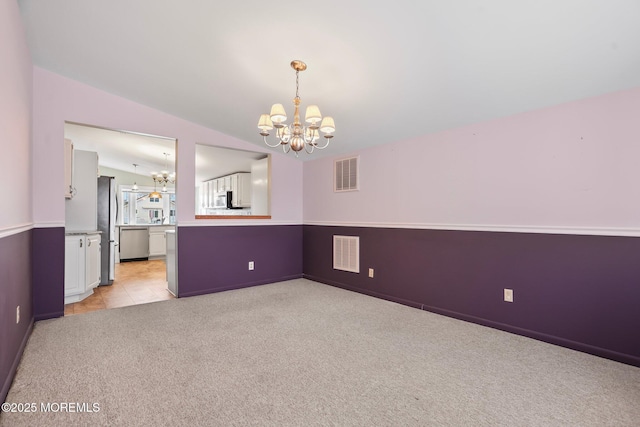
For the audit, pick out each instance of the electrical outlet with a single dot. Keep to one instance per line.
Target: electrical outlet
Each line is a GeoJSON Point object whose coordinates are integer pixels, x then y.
{"type": "Point", "coordinates": [508, 295]}
{"type": "Point", "coordinates": [17, 314]}
{"type": "Point", "coordinates": [251, 265]}
{"type": "Point", "coordinates": [371, 273]}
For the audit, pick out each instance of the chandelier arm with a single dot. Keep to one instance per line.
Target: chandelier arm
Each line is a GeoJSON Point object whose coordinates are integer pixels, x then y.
{"type": "Point", "coordinates": [307, 150]}
{"type": "Point", "coordinates": [324, 146]}
{"type": "Point", "coordinates": [272, 146]}
{"type": "Point", "coordinates": [286, 148]}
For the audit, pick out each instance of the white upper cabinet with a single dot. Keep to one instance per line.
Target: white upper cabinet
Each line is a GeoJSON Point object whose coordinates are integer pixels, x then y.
{"type": "Point", "coordinates": [241, 188]}
{"type": "Point", "coordinates": [81, 212]}
{"type": "Point", "coordinates": [238, 183]}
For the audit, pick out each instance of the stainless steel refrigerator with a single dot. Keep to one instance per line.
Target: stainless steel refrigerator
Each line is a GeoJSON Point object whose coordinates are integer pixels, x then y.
{"type": "Point", "coordinates": [107, 214]}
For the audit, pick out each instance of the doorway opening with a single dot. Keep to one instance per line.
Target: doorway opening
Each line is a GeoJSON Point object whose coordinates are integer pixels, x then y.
{"type": "Point", "coordinates": [120, 218]}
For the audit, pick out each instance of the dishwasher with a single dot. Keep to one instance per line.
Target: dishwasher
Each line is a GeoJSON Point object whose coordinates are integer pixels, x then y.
{"type": "Point", "coordinates": [134, 243]}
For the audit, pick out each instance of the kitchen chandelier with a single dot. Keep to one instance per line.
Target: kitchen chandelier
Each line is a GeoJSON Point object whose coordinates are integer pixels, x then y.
{"type": "Point", "coordinates": [296, 135]}
{"type": "Point", "coordinates": [164, 177]}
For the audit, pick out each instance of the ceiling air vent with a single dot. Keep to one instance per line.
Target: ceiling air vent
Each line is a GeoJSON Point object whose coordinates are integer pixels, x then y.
{"type": "Point", "coordinates": [346, 174]}
{"type": "Point", "coordinates": [346, 253]}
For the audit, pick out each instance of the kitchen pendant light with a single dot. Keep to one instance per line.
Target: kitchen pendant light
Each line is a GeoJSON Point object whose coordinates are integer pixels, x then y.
{"type": "Point", "coordinates": [154, 194]}
{"type": "Point", "coordinates": [135, 184]}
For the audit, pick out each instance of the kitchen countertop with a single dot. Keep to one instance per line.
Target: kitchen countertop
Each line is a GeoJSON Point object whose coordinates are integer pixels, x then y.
{"type": "Point", "coordinates": [81, 233]}
{"type": "Point", "coordinates": [145, 225]}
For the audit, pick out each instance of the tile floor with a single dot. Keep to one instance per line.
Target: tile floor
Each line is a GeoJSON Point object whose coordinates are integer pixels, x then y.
{"type": "Point", "coordinates": [137, 282]}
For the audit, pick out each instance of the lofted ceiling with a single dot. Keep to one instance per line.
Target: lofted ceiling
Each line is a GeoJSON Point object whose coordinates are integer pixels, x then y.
{"type": "Point", "coordinates": [122, 149]}
{"type": "Point", "coordinates": [386, 71]}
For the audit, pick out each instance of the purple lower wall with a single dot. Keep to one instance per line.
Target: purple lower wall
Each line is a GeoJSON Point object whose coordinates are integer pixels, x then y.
{"type": "Point", "coordinates": [576, 291]}
{"type": "Point", "coordinates": [15, 290]}
{"type": "Point", "coordinates": [48, 272]}
{"type": "Point", "coordinates": [213, 259]}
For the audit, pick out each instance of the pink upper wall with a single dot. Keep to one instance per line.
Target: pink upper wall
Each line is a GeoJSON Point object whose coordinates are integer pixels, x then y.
{"type": "Point", "coordinates": [572, 165]}
{"type": "Point", "coordinates": [15, 119]}
{"type": "Point", "coordinates": [58, 99]}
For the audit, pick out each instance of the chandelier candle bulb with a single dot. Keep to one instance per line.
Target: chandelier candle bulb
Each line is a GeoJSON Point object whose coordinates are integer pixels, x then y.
{"type": "Point", "coordinates": [296, 136]}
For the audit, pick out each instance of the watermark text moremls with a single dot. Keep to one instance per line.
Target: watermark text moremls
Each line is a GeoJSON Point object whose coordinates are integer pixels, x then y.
{"type": "Point", "coordinates": [81, 407]}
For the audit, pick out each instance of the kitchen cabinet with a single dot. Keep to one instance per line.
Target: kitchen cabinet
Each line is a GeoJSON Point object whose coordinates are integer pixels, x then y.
{"type": "Point", "coordinates": [222, 184]}
{"type": "Point", "coordinates": [241, 188]}
{"type": "Point", "coordinates": [212, 189]}
{"type": "Point", "coordinates": [238, 183]}
{"type": "Point", "coordinates": [158, 240]}
{"type": "Point", "coordinates": [68, 169]}
{"type": "Point", "coordinates": [92, 261]}
{"type": "Point", "coordinates": [74, 266]}
{"type": "Point", "coordinates": [81, 265]}
{"type": "Point", "coordinates": [81, 212]}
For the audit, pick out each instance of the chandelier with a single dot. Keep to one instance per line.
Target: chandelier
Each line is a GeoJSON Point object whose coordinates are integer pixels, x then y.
{"type": "Point", "coordinates": [296, 136]}
{"type": "Point", "coordinates": [164, 178]}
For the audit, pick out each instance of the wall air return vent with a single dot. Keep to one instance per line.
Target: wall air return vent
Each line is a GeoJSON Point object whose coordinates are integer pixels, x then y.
{"type": "Point", "coordinates": [346, 253]}
{"type": "Point", "coordinates": [346, 175]}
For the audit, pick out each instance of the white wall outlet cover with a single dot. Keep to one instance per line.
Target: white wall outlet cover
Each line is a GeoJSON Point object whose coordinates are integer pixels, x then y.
{"type": "Point", "coordinates": [251, 265]}
{"type": "Point", "coordinates": [371, 272]}
{"type": "Point", "coordinates": [18, 314]}
{"type": "Point", "coordinates": [508, 295]}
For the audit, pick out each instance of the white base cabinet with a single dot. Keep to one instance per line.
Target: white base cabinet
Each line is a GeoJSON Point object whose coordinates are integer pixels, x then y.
{"type": "Point", "coordinates": [158, 240]}
{"type": "Point", "coordinates": [81, 266]}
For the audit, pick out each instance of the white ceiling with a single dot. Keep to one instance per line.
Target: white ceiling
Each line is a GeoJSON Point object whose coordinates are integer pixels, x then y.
{"type": "Point", "coordinates": [121, 150]}
{"type": "Point", "coordinates": [385, 70]}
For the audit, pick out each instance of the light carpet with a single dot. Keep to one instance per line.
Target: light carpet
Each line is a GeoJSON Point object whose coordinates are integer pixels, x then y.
{"type": "Point", "coordinates": [300, 353]}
